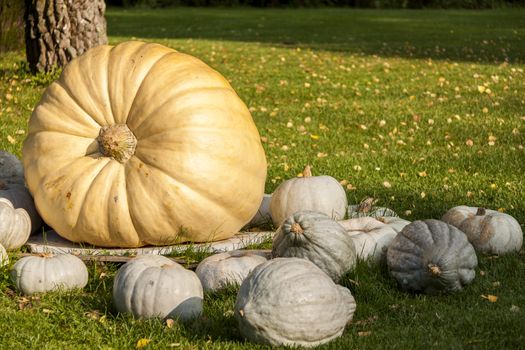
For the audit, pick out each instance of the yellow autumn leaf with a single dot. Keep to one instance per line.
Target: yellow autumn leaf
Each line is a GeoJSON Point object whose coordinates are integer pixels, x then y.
{"type": "Point", "coordinates": [490, 297]}
{"type": "Point", "coordinates": [141, 343]}
{"type": "Point", "coordinates": [314, 137]}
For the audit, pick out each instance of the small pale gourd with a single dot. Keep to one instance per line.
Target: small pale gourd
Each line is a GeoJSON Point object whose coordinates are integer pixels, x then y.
{"type": "Point", "coordinates": [11, 170]}
{"type": "Point", "coordinates": [371, 237]}
{"type": "Point", "coordinates": [49, 272]}
{"type": "Point", "coordinates": [315, 193]}
{"type": "Point", "coordinates": [151, 286]}
{"type": "Point", "coordinates": [15, 225]}
{"type": "Point", "coordinates": [431, 256]}
{"type": "Point", "coordinates": [316, 237]}
{"type": "Point", "coordinates": [20, 197]}
{"type": "Point", "coordinates": [489, 231]}
{"type": "Point", "coordinates": [290, 301]}
{"type": "Point", "coordinates": [230, 268]}
{"type": "Point", "coordinates": [367, 208]}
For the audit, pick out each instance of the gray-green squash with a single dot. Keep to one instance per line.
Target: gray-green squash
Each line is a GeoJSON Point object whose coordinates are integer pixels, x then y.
{"type": "Point", "coordinates": [371, 237]}
{"type": "Point", "coordinates": [489, 231]}
{"type": "Point", "coordinates": [219, 271]}
{"type": "Point", "coordinates": [367, 207]}
{"type": "Point", "coordinates": [49, 272]}
{"type": "Point", "coordinates": [431, 256]}
{"type": "Point", "coordinates": [290, 301]}
{"type": "Point", "coordinates": [151, 286]}
{"type": "Point", "coordinates": [316, 237]}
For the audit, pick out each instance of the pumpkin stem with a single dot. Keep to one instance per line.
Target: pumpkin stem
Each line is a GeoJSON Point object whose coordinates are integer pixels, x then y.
{"type": "Point", "coordinates": [296, 228]}
{"type": "Point", "coordinates": [117, 142]}
{"type": "Point", "coordinates": [46, 255]}
{"type": "Point", "coordinates": [307, 172]}
{"type": "Point", "coordinates": [435, 270]}
{"type": "Point", "coordinates": [481, 211]}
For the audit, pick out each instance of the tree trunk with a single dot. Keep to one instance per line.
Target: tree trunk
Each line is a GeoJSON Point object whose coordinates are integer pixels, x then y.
{"type": "Point", "coordinates": [59, 30]}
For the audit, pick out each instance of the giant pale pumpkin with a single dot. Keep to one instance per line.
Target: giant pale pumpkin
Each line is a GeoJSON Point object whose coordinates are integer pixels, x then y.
{"type": "Point", "coordinates": [138, 144]}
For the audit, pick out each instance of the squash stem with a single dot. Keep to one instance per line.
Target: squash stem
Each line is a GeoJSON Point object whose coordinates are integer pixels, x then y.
{"type": "Point", "coordinates": [434, 270]}
{"type": "Point", "coordinates": [117, 142]}
{"type": "Point", "coordinates": [297, 229]}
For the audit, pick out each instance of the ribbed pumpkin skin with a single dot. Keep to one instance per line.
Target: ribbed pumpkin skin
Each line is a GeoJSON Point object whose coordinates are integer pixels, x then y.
{"type": "Point", "coordinates": [323, 194]}
{"type": "Point", "coordinates": [323, 241]}
{"type": "Point", "coordinates": [151, 286]}
{"type": "Point", "coordinates": [15, 225]}
{"type": "Point", "coordinates": [489, 232]}
{"type": "Point", "coordinates": [371, 237]}
{"type": "Point", "coordinates": [218, 271]}
{"type": "Point", "coordinates": [36, 274]}
{"type": "Point", "coordinates": [290, 301]}
{"type": "Point", "coordinates": [197, 172]}
{"type": "Point", "coordinates": [424, 246]}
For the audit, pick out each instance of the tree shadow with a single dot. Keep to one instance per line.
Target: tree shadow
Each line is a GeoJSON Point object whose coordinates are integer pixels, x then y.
{"type": "Point", "coordinates": [473, 36]}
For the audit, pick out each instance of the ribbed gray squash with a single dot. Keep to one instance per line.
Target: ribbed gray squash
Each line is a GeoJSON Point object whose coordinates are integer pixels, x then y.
{"type": "Point", "coordinates": [489, 231]}
{"type": "Point", "coordinates": [219, 271]}
{"type": "Point", "coordinates": [49, 272]}
{"type": "Point", "coordinates": [371, 237]}
{"type": "Point", "coordinates": [431, 256]}
{"type": "Point", "coordinates": [151, 286]}
{"type": "Point", "coordinates": [316, 237]}
{"type": "Point", "coordinates": [367, 208]}
{"type": "Point", "coordinates": [290, 301]}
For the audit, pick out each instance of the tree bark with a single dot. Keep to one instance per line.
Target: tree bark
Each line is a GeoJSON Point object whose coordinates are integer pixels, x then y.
{"type": "Point", "coordinates": [59, 30]}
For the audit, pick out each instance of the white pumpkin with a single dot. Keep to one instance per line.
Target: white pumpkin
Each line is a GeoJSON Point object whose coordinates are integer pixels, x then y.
{"type": "Point", "coordinates": [230, 268]}
{"type": "Point", "coordinates": [150, 286]}
{"type": "Point", "coordinates": [11, 170]}
{"type": "Point", "coordinates": [322, 194]}
{"type": "Point", "coordinates": [15, 225]}
{"type": "Point", "coordinates": [371, 237]}
{"type": "Point", "coordinates": [20, 197]}
{"type": "Point", "coordinates": [49, 272]}
{"type": "Point", "coordinates": [291, 302]}
{"type": "Point", "coordinates": [489, 231]}
{"type": "Point", "coordinates": [395, 222]}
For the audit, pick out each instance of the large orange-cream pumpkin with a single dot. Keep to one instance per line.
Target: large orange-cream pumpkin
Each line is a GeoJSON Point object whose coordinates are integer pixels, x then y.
{"type": "Point", "coordinates": [138, 144]}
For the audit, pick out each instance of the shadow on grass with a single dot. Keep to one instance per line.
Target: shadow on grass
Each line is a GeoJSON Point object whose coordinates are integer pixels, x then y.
{"type": "Point", "coordinates": [477, 36]}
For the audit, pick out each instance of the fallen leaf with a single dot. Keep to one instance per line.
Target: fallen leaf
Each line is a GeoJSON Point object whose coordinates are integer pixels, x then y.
{"type": "Point", "coordinates": [364, 333]}
{"type": "Point", "coordinates": [169, 323]}
{"type": "Point", "coordinates": [11, 139]}
{"type": "Point", "coordinates": [490, 297]}
{"type": "Point", "coordinates": [141, 343]}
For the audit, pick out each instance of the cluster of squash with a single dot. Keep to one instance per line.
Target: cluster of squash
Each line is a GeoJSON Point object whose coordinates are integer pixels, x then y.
{"type": "Point", "coordinates": [123, 138]}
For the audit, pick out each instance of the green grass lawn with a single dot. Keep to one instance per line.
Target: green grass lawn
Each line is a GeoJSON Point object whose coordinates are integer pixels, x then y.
{"type": "Point", "coordinates": [424, 110]}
